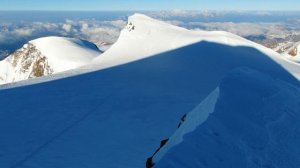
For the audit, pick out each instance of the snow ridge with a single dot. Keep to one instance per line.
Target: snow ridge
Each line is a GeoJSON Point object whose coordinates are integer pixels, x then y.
{"type": "Point", "coordinates": [195, 118]}
{"type": "Point", "coordinates": [142, 38]}
{"type": "Point", "coordinates": [253, 124]}
{"type": "Point", "coordinates": [132, 107]}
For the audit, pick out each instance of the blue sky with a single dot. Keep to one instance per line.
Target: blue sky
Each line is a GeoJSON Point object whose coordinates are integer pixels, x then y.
{"type": "Point", "coordinates": [149, 4]}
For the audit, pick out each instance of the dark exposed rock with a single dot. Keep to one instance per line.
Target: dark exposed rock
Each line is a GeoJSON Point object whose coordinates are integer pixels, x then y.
{"type": "Point", "coordinates": [149, 162]}
{"type": "Point", "coordinates": [293, 52]}
{"type": "Point", "coordinates": [29, 61]}
{"type": "Point", "coordinates": [181, 120]}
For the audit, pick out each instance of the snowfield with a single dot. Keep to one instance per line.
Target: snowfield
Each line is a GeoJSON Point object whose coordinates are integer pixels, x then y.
{"type": "Point", "coordinates": [240, 99]}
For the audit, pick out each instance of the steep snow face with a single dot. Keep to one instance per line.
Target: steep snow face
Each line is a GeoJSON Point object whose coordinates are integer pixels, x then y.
{"type": "Point", "coordinates": [45, 56]}
{"type": "Point", "coordinates": [189, 122]}
{"type": "Point", "coordinates": [253, 124]}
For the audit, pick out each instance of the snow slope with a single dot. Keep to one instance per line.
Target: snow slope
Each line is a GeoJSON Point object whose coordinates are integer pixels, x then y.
{"type": "Point", "coordinates": [251, 121]}
{"type": "Point", "coordinates": [46, 56]}
{"type": "Point", "coordinates": [144, 37]}
{"type": "Point", "coordinates": [116, 117]}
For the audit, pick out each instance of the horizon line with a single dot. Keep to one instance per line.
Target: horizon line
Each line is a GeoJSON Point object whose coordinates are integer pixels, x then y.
{"type": "Point", "coordinates": [146, 10]}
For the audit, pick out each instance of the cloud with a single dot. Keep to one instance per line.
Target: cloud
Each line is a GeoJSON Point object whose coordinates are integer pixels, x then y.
{"type": "Point", "coordinates": [185, 14]}
{"type": "Point", "coordinates": [244, 29]}
{"type": "Point", "coordinates": [23, 31]}
{"type": "Point", "coordinates": [42, 26]}
{"type": "Point", "coordinates": [107, 32]}
{"type": "Point", "coordinates": [98, 32]}
{"type": "Point", "coordinates": [204, 14]}
{"type": "Point", "coordinates": [117, 23]}
{"type": "Point", "coordinates": [176, 22]}
{"type": "Point", "coordinates": [67, 27]}
{"type": "Point", "coordinates": [84, 27]}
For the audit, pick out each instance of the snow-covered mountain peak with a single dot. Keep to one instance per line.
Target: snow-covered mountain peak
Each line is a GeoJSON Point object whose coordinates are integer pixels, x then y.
{"type": "Point", "coordinates": [143, 24]}
{"type": "Point", "coordinates": [132, 107]}
{"type": "Point", "coordinates": [45, 56]}
{"type": "Point", "coordinates": [140, 26]}
{"type": "Point", "coordinates": [60, 50]}
{"type": "Point", "coordinates": [144, 37]}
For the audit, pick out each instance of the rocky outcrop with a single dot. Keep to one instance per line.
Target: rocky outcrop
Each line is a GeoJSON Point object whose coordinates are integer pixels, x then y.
{"type": "Point", "coordinates": [45, 56]}
{"type": "Point", "coordinates": [293, 52]}
{"type": "Point", "coordinates": [26, 63]}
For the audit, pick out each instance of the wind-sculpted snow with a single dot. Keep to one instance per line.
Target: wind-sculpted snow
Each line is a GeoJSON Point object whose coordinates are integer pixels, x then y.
{"type": "Point", "coordinates": [145, 37]}
{"type": "Point", "coordinates": [254, 124]}
{"type": "Point", "coordinates": [116, 117]}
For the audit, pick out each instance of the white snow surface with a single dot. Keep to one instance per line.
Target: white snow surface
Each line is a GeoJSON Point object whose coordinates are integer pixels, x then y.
{"type": "Point", "coordinates": [250, 121]}
{"type": "Point", "coordinates": [144, 37]}
{"type": "Point", "coordinates": [115, 116]}
{"type": "Point", "coordinates": [194, 118]}
{"type": "Point", "coordinates": [66, 53]}
{"type": "Point", "coordinates": [60, 53]}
